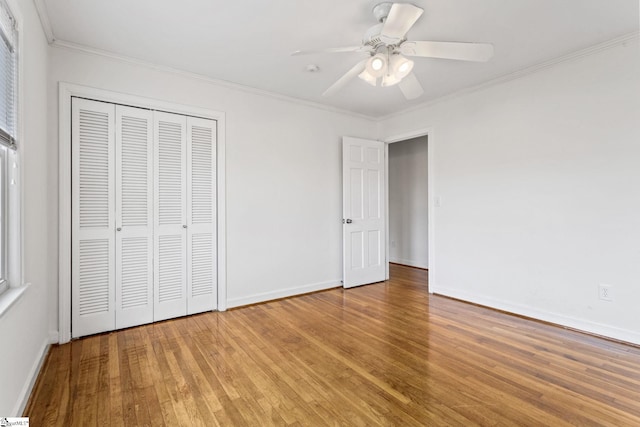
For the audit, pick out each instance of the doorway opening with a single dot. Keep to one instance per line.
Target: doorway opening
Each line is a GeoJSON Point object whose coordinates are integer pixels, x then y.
{"type": "Point", "coordinates": [408, 204]}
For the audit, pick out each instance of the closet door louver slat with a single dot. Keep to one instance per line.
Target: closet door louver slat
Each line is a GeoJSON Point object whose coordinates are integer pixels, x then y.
{"type": "Point", "coordinates": [93, 216]}
{"type": "Point", "coordinates": [93, 277]}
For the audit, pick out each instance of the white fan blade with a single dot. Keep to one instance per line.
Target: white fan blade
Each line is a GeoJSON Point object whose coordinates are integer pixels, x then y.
{"type": "Point", "coordinates": [401, 18]}
{"type": "Point", "coordinates": [328, 50]}
{"type": "Point", "coordinates": [357, 69]}
{"type": "Point", "coordinates": [480, 52]}
{"type": "Point", "coordinates": [411, 87]}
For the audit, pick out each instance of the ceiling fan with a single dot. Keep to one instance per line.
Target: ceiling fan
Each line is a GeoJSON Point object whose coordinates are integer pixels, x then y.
{"type": "Point", "coordinates": [389, 48]}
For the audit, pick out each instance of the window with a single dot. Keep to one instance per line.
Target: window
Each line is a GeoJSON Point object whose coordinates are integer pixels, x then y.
{"type": "Point", "coordinates": [9, 201]}
{"type": "Point", "coordinates": [8, 77]}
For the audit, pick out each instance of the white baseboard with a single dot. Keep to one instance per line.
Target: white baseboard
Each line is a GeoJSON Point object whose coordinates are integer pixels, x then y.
{"type": "Point", "coordinates": [54, 337]}
{"type": "Point", "coordinates": [409, 262]}
{"type": "Point", "coordinates": [558, 319]}
{"type": "Point", "coordinates": [282, 293]}
{"type": "Point", "coordinates": [25, 393]}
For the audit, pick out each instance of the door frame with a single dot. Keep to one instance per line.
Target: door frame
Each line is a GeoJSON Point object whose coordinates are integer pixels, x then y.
{"type": "Point", "coordinates": [431, 196]}
{"type": "Point", "coordinates": [66, 92]}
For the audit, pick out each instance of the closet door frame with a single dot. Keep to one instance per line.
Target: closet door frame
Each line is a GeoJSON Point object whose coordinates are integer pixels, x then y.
{"type": "Point", "coordinates": [66, 92]}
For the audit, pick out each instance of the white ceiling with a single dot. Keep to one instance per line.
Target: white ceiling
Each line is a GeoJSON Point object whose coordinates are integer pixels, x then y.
{"type": "Point", "coordinates": [249, 42]}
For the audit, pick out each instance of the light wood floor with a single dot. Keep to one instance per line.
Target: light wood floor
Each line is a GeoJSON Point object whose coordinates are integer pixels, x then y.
{"type": "Point", "coordinates": [383, 354]}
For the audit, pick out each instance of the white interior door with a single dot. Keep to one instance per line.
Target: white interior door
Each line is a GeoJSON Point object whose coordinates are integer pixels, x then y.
{"type": "Point", "coordinates": [92, 217]}
{"type": "Point", "coordinates": [170, 213]}
{"type": "Point", "coordinates": [134, 216]}
{"type": "Point", "coordinates": [201, 209]}
{"type": "Point", "coordinates": [363, 234]}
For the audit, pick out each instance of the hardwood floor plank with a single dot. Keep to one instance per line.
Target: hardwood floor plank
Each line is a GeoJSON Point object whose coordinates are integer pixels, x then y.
{"type": "Point", "coordinates": [383, 354]}
{"type": "Point", "coordinates": [103, 396]}
{"type": "Point", "coordinates": [115, 387]}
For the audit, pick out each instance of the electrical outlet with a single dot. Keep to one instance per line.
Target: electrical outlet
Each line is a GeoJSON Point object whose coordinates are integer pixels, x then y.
{"type": "Point", "coordinates": [605, 292]}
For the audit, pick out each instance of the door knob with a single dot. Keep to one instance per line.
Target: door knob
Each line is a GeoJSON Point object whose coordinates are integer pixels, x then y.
{"type": "Point", "coordinates": [119, 229]}
{"type": "Point", "coordinates": [349, 221]}
{"type": "Point", "coordinates": [184, 226]}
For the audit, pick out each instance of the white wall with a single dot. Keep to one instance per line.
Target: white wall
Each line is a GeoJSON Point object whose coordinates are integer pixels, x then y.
{"type": "Point", "coordinates": [283, 173]}
{"type": "Point", "coordinates": [24, 327]}
{"type": "Point", "coordinates": [408, 203]}
{"type": "Point", "coordinates": [539, 182]}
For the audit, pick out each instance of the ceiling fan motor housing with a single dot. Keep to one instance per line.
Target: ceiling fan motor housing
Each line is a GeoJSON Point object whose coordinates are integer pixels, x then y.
{"type": "Point", "coordinates": [373, 37]}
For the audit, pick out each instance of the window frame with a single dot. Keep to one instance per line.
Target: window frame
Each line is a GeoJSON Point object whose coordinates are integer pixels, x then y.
{"type": "Point", "coordinates": [4, 244]}
{"type": "Point", "coordinates": [11, 268]}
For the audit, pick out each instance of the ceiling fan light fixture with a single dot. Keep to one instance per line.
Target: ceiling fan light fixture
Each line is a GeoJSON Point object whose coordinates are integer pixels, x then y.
{"type": "Point", "coordinates": [390, 80]}
{"type": "Point", "coordinates": [367, 77]}
{"type": "Point", "coordinates": [405, 68]}
{"type": "Point", "coordinates": [400, 66]}
{"type": "Point", "coordinates": [377, 65]}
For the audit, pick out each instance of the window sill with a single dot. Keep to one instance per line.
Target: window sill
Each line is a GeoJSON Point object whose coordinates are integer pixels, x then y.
{"type": "Point", "coordinates": [10, 296]}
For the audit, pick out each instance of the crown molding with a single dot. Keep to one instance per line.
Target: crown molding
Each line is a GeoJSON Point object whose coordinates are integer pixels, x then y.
{"type": "Point", "coordinates": [591, 50]}
{"type": "Point", "coordinates": [43, 14]}
{"type": "Point", "coordinates": [202, 78]}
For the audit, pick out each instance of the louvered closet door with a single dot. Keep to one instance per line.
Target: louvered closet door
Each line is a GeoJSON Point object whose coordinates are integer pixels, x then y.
{"type": "Point", "coordinates": [170, 216]}
{"type": "Point", "coordinates": [201, 208]}
{"type": "Point", "coordinates": [134, 216]}
{"type": "Point", "coordinates": [93, 217]}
